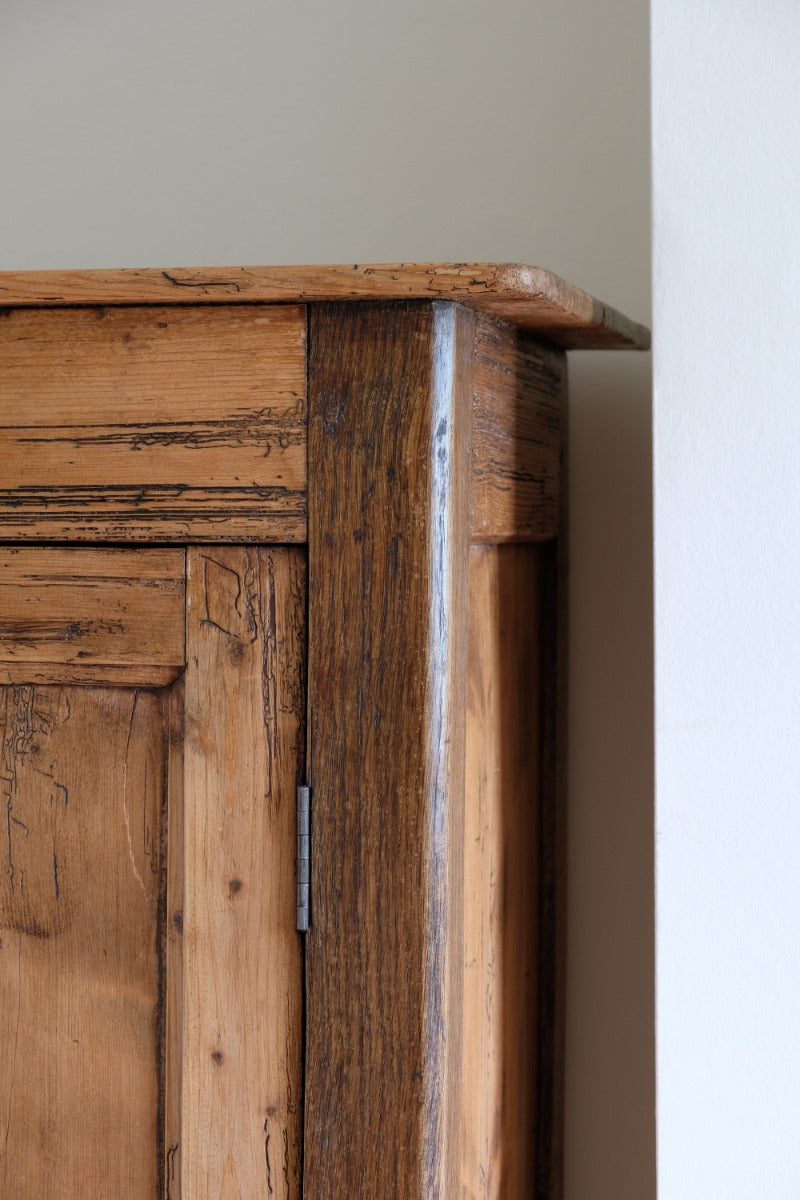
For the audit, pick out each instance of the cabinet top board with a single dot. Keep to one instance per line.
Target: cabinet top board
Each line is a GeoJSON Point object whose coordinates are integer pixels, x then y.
{"type": "Point", "coordinates": [528, 297]}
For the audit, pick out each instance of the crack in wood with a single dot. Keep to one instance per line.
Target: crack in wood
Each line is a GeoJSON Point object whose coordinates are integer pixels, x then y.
{"type": "Point", "coordinates": [125, 814]}
{"type": "Point", "coordinates": [266, 1157]}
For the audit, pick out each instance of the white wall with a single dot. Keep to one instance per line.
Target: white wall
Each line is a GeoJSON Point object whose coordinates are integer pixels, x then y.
{"type": "Point", "coordinates": [180, 132]}
{"type": "Point", "coordinates": [727, 439]}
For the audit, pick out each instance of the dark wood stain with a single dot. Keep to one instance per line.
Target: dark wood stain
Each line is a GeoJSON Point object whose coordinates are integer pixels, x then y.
{"type": "Point", "coordinates": [390, 397]}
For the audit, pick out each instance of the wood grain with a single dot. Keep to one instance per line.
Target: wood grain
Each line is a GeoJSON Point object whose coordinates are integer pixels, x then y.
{"type": "Point", "coordinates": [520, 383]}
{"type": "Point", "coordinates": [91, 615]}
{"type": "Point", "coordinates": [501, 874]}
{"type": "Point", "coordinates": [529, 297]}
{"type": "Point", "coordinates": [160, 423]}
{"type": "Point", "coordinates": [552, 939]}
{"type": "Point", "coordinates": [390, 392]}
{"type": "Point", "coordinates": [82, 779]}
{"type": "Point", "coordinates": [553, 808]}
{"type": "Point", "coordinates": [241, 1006]}
{"type": "Point", "coordinates": [56, 674]}
{"type": "Point", "coordinates": [172, 949]}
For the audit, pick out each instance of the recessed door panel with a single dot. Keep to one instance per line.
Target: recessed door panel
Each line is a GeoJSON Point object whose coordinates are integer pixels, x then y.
{"type": "Point", "coordinates": [83, 800]}
{"type": "Point", "coordinates": [150, 973]}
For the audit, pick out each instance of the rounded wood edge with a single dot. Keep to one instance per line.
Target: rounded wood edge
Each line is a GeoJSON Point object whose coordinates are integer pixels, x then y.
{"type": "Point", "coordinates": [529, 297]}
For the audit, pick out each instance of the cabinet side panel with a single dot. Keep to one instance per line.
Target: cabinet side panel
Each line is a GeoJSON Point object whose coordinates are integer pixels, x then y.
{"type": "Point", "coordinates": [80, 881]}
{"type": "Point", "coordinates": [390, 390]}
{"type": "Point", "coordinates": [552, 870]}
{"type": "Point", "coordinates": [517, 435]}
{"type": "Point", "coordinates": [501, 871]}
{"type": "Point", "coordinates": [241, 1012]}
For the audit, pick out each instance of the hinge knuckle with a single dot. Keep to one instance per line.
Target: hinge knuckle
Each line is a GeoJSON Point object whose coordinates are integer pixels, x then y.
{"type": "Point", "coordinates": [303, 859]}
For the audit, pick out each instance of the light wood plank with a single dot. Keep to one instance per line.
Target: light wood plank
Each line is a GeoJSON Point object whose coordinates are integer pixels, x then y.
{"type": "Point", "coordinates": [170, 424]}
{"type": "Point", "coordinates": [80, 883]}
{"type": "Point", "coordinates": [501, 872]}
{"type": "Point", "coordinates": [390, 389]}
{"type": "Point", "coordinates": [530, 297]}
{"type": "Point", "coordinates": [74, 615]}
{"type": "Point", "coordinates": [520, 384]}
{"type": "Point", "coordinates": [553, 869]}
{"type": "Point", "coordinates": [173, 948]}
{"type": "Point", "coordinates": [241, 1087]}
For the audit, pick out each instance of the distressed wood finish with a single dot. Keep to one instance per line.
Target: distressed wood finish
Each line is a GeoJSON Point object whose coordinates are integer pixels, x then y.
{"type": "Point", "coordinates": [239, 1036]}
{"type": "Point", "coordinates": [155, 424]}
{"type": "Point", "coordinates": [390, 393]}
{"type": "Point", "coordinates": [172, 949]}
{"type": "Point", "coordinates": [82, 779]}
{"type": "Point", "coordinates": [529, 297]}
{"type": "Point", "coordinates": [152, 1039]}
{"type": "Point", "coordinates": [520, 383]}
{"type": "Point", "coordinates": [91, 615]}
{"type": "Point", "coordinates": [163, 1033]}
{"type": "Point", "coordinates": [501, 873]}
{"type": "Point", "coordinates": [552, 990]}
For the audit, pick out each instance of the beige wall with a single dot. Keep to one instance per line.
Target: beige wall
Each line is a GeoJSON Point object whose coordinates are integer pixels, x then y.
{"type": "Point", "coordinates": [170, 132]}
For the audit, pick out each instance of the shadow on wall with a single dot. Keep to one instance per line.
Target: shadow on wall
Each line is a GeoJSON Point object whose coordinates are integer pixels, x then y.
{"type": "Point", "coordinates": [610, 1072]}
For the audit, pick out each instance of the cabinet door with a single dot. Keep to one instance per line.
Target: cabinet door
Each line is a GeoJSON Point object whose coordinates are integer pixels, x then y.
{"type": "Point", "coordinates": [152, 725]}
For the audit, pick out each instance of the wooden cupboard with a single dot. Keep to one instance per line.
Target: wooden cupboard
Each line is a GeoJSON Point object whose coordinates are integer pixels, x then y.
{"type": "Point", "coordinates": [265, 529]}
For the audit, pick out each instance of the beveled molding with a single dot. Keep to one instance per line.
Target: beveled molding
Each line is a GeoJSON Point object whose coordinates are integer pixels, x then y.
{"type": "Point", "coordinates": [171, 406]}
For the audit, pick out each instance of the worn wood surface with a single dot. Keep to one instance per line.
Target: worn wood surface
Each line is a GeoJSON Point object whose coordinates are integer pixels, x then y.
{"type": "Point", "coordinates": [529, 297]}
{"type": "Point", "coordinates": [239, 1037]}
{"type": "Point", "coordinates": [501, 873]}
{"type": "Point", "coordinates": [154, 423]}
{"type": "Point", "coordinates": [87, 676]}
{"type": "Point", "coordinates": [389, 393]}
{"type": "Point", "coordinates": [553, 874]}
{"type": "Point", "coordinates": [74, 615]}
{"type": "Point", "coordinates": [150, 973]}
{"type": "Point", "coordinates": [433, 1069]}
{"type": "Point", "coordinates": [172, 950]}
{"type": "Point", "coordinates": [520, 383]}
{"type": "Point", "coordinates": [80, 881]}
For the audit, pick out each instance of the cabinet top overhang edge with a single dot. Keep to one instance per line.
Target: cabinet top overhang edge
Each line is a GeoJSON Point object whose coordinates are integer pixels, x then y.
{"type": "Point", "coordinates": [527, 297]}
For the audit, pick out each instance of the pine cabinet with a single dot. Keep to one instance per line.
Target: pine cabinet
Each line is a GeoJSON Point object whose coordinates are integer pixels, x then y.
{"type": "Point", "coordinates": [269, 530]}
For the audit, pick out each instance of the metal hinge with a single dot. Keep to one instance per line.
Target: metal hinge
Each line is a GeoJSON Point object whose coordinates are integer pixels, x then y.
{"type": "Point", "coordinates": [303, 858]}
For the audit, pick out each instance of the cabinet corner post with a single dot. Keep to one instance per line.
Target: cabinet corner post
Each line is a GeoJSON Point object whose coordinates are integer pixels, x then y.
{"type": "Point", "coordinates": [390, 402]}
